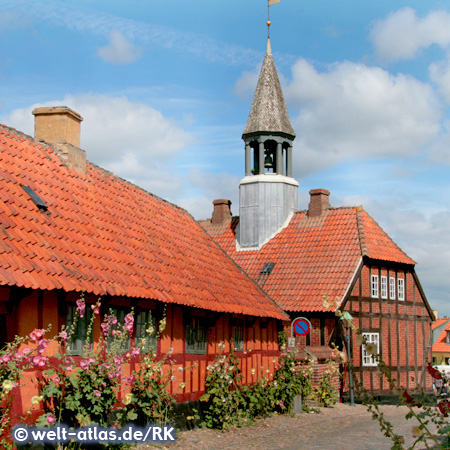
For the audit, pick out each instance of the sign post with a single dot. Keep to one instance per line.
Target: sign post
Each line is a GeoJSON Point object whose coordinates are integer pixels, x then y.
{"type": "Point", "coordinates": [300, 327]}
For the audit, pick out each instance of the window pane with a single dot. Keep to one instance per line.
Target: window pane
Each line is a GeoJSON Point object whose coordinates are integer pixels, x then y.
{"type": "Point", "coordinates": [401, 289]}
{"type": "Point", "coordinates": [368, 359]}
{"type": "Point", "coordinates": [238, 335]}
{"type": "Point", "coordinates": [79, 332]}
{"type": "Point", "coordinates": [374, 287]}
{"type": "Point", "coordinates": [392, 288]}
{"type": "Point", "coordinates": [196, 336]}
{"type": "Point", "coordinates": [383, 287]}
{"type": "Point", "coordinates": [146, 331]}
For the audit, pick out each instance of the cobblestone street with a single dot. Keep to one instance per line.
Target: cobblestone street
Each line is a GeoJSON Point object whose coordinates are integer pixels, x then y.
{"type": "Point", "coordinates": [342, 428]}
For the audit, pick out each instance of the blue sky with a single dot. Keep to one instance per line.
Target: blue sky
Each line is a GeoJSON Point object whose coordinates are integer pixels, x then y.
{"type": "Point", "coordinates": [165, 88]}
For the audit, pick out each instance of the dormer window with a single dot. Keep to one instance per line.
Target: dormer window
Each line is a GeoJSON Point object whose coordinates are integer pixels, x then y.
{"type": "Point", "coordinates": [447, 339]}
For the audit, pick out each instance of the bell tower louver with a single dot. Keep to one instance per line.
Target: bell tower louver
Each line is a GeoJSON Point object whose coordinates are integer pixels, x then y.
{"type": "Point", "coordinates": [268, 192]}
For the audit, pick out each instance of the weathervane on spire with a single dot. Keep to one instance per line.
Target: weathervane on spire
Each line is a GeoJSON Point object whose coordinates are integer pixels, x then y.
{"type": "Point", "coordinates": [269, 3]}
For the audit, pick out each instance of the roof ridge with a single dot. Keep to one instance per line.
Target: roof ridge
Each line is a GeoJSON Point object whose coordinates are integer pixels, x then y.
{"type": "Point", "coordinates": [387, 235]}
{"type": "Point", "coordinates": [361, 232]}
{"type": "Point", "coordinates": [20, 134]}
{"type": "Point", "coordinates": [129, 183]}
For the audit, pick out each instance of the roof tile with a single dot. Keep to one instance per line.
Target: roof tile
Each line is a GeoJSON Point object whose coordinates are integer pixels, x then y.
{"type": "Point", "coordinates": [104, 235]}
{"type": "Point", "coordinates": [313, 256]}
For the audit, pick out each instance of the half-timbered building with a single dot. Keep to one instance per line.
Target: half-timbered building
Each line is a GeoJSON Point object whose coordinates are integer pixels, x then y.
{"type": "Point", "coordinates": [324, 255]}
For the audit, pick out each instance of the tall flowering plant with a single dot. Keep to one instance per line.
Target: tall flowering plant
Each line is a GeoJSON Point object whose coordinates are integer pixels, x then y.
{"type": "Point", "coordinates": [22, 354]}
{"type": "Point", "coordinates": [150, 399]}
{"type": "Point", "coordinates": [82, 390]}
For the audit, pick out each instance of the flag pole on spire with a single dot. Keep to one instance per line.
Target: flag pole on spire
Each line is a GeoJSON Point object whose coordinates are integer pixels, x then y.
{"type": "Point", "coordinates": [269, 3]}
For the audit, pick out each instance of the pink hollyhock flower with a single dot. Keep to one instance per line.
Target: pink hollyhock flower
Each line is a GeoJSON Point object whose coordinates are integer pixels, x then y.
{"type": "Point", "coordinates": [129, 380]}
{"type": "Point", "coordinates": [84, 364]}
{"type": "Point", "coordinates": [129, 321]}
{"type": "Point", "coordinates": [112, 320]}
{"type": "Point", "coordinates": [42, 345]}
{"type": "Point", "coordinates": [118, 360]}
{"type": "Point", "coordinates": [6, 358]}
{"type": "Point", "coordinates": [63, 335]}
{"type": "Point", "coordinates": [36, 335]}
{"type": "Point", "coordinates": [56, 379]}
{"type": "Point", "coordinates": [81, 306]}
{"type": "Point", "coordinates": [135, 351]}
{"type": "Point", "coordinates": [39, 361]}
{"type": "Point", "coordinates": [105, 328]}
{"type": "Point", "coordinates": [96, 308]}
{"type": "Point", "coordinates": [97, 393]}
{"type": "Point", "coordinates": [51, 419]}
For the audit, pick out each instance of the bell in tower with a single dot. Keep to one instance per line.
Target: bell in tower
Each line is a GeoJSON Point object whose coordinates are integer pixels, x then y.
{"type": "Point", "coordinates": [268, 192]}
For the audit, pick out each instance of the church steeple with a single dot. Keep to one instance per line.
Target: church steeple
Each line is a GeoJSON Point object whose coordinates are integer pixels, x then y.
{"type": "Point", "coordinates": [268, 114]}
{"type": "Point", "coordinates": [268, 193]}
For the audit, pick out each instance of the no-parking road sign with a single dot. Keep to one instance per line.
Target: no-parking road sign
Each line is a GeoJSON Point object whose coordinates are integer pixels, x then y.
{"type": "Point", "coordinates": [301, 326]}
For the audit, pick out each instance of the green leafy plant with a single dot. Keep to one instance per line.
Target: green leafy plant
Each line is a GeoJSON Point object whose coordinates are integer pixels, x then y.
{"type": "Point", "coordinates": [326, 394]}
{"type": "Point", "coordinates": [229, 403]}
{"type": "Point", "coordinates": [149, 399]}
{"type": "Point", "coordinates": [222, 392]}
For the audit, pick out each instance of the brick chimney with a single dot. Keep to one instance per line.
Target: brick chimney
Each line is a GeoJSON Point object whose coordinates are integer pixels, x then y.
{"type": "Point", "coordinates": [222, 211]}
{"type": "Point", "coordinates": [319, 203]}
{"type": "Point", "coordinates": [59, 126]}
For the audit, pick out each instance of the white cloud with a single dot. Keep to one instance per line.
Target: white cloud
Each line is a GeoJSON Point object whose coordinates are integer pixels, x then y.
{"type": "Point", "coordinates": [119, 50]}
{"type": "Point", "coordinates": [440, 74]}
{"type": "Point", "coordinates": [246, 84]}
{"type": "Point", "coordinates": [401, 35]}
{"type": "Point", "coordinates": [200, 207]}
{"type": "Point", "coordinates": [133, 140]}
{"type": "Point", "coordinates": [211, 186]}
{"type": "Point", "coordinates": [355, 111]}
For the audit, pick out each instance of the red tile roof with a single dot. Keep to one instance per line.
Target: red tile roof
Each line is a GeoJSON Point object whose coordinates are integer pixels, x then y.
{"type": "Point", "coordinates": [439, 322]}
{"type": "Point", "coordinates": [313, 256]}
{"type": "Point", "coordinates": [441, 345]}
{"type": "Point", "coordinates": [104, 235]}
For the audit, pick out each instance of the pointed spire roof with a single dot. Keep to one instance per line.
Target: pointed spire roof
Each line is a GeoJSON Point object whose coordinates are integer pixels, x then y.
{"type": "Point", "coordinates": [269, 113]}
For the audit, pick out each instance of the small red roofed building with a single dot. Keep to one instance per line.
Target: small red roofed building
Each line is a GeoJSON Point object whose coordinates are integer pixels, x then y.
{"type": "Point", "coordinates": [323, 259]}
{"type": "Point", "coordinates": [67, 226]}
{"type": "Point", "coordinates": [441, 341]}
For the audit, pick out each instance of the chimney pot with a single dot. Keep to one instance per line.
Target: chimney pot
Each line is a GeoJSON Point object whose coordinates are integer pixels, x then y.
{"type": "Point", "coordinates": [59, 126]}
{"type": "Point", "coordinates": [222, 211]}
{"type": "Point", "coordinates": [319, 203]}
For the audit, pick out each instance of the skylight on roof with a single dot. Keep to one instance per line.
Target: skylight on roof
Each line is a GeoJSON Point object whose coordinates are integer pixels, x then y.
{"type": "Point", "coordinates": [36, 199]}
{"type": "Point", "coordinates": [267, 268]}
